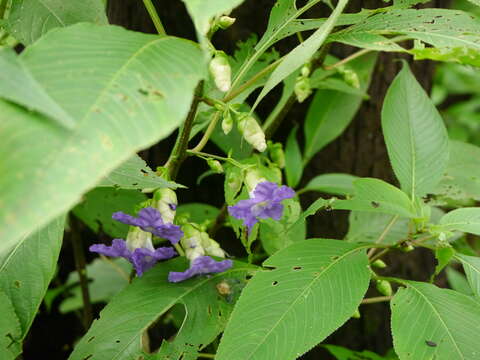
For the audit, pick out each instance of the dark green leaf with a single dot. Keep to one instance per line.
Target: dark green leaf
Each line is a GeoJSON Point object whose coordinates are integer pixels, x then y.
{"type": "Point", "coordinates": [293, 160]}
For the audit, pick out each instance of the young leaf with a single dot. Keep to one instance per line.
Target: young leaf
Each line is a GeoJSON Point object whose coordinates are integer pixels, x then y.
{"type": "Point", "coordinates": [431, 322]}
{"type": "Point", "coordinates": [100, 203]}
{"type": "Point", "coordinates": [135, 174]}
{"type": "Point", "coordinates": [293, 160]}
{"type": "Point", "coordinates": [30, 19]}
{"type": "Point", "coordinates": [125, 93]}
{"type": "Point", "coordinates": [331, 111]}
{"type": "Point", "coordinates": [471, 265]}
{"type": "Point", "coordinates": [302, 53]}
{"type": "Point", "coordinates": [276, 316]}
{"type": "Point", "coordinates": [10, 331]}
{"type": "Point", "coordinates": [464, 219]}
{"type": "Point", "coordinates": [337, 184]}
{"type": "Point", "coordinates": [118, 333]}
{"type": "Point", "coordinates": [443, 256]}
{"type": "Point", "coordinates": [18, 85]}
{"type": "Point", "coordinates": [415, 135]}
{"type": "Point", "coordinates": [26, 270]}
{"type": "Point", "coordinates": [198, 212]}
{"type": "Point", "coordinates": [378, 196]}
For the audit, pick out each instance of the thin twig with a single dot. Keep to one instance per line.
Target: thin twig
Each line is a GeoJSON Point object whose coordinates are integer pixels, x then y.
{"type": "Point", "coordinates": [379, 255]}
{"type": "Point", "coordinates": [203, 141]}
{"type": "Point", "coordinates": [80, 265]}
{"type": "Point", "coordinates": [348, 59]}
{"type": "Point", "coordinates": [178, 154]}
{"type": "Point", "coordinates": [154, 16]}
{"type": "Point", "coordinates": [377, 299]}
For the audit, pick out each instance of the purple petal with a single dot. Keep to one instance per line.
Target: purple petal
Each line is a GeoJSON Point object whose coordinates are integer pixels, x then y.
{"type": "Point", "coordinates": [264, 191]}
{"type": "Point", "coordinates": [125, 218]}
{"type": "Point", "coordinates": [200, 266]}
{"type": "Point", "coordinates": [243, 211]}
{"type": "Point", "coordinates": [273, 210]}
{"type": "Point", "coordinates": [172, 206]}
{"type": "Point", "coordinates": [144, 259]}
{"type": "Point", "coordinates": [117, 249]}
{"type": "Point", "coordinates": [151, 217]}
{"type": "Point", "coordinates": [283, 192]}
{"type": "Point", "coordinates": [169, 231]}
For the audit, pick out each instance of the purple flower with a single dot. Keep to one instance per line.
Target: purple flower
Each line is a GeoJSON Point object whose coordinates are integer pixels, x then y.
{"type": "Point", "coordinates": [149, 219]}
{"type": "Point", "coordinates": [142, 259]}
{"type": "Point", "coordinates": [265, 203]}
{"type": "Point", "coordinates": [200, 266]}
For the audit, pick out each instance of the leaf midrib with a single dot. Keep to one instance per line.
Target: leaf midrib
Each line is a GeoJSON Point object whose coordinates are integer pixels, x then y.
{"type": "Point", "coordinates": [52, 12]}
{"type": "Point", "coordinates": [440, 318]}
{"type": "Point", "coordinates": [307, 287]}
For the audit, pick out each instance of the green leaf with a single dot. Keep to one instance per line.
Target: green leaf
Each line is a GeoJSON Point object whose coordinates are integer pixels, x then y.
{"type": "Point", "coordinates": [331, 111]}
{"type": "Point", "coordinates": [457, 281]}
{"type": "Point", "coordinates": [135, 174]}
{"type": "Point", "coordinates": [26, 270]}
{"type": "Point", "coordinates": [378, 196]}
{"type": "Point", "coordinates": [464, 219]}
{"type": "Point", "coordinates": [365, 226]}
{"type": "Point", "coordinates": [302, 53]}
{"type": "Point", "coordinates": [311, 210]}
{"type": "Point", "coordinates": [471, 265]}
{"type": "Point", "coordinates": [106, 278]}
{"type": "Point", "coordinates": [125, 93]}
{"type": "Point", "coordinates": [198, 212]}
{"type": "Point", "coordinates": [415, 135]}
{"type": "Point", "coordinates": [10, 331]}
{"type": "Point", "coordinates": [100, 203]}
{"type": "Point", "coordinates": [30, 19]}
{"type": "Point", "coordinates": [342, 353]}
{"type": "Point", "coordinates": [18, 85]}
{"type": "Point", "coordinates": [293, 160]}
{"type": "Point", "coordinates": [443, 256]}
{"type": "Point", "coordinates": [337, 184]}
{"type": "Point", "coordinates": [461, 179]}
{"type": "Point", "coordinates": [462, 55]}
{"type": "Point", "coordinates": [446, 30]}
{"type": "Point", "coordinates": [203, 11]}
{"type": "Point", "coordinates": [275, 316]}
{"type": "Point", "coordinates": [118, 333]}
{"type": "Point", "coordinates": [278, 234]}
{"type": "Point", "coordinates": [429, 322]}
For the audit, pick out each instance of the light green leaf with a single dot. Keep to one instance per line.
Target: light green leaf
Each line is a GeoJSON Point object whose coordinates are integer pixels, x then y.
{"type": "Point", "coordinates": [125, 93]}
{"type": "Point", "coordinates": [10, 331]}
{"type": "Point", "coordinates": [441, 28]}
{"type": "Point", "coordinates": [293, 160]}
{"type": "Point", "coordinates": [311, 210]}
{"type": "Point", "coordinates": [99, 204]}
{"type": "Point", "coordinates": [203, 11]}
{"type": "Point", "coordinates": [365, 226]}
{"type": "Point", "coordinates": [471, 265]}
{"type": "Point", "coordinates": [198, 212]}
{"type": "Point", "coordinates": [464, 219]}
{"type": "Point", "coordinates": [278, 234]}
{"type": "Point", "coordinates": [274, 318]}
{"type": "Point", "coordinates": [337, 184]}
{"type": "Point", "coordinates": [443, 256]}
{"type": "Point", "coordinates": [18, 85]}
{"type": "Point", "coordinates": [331, 111]}
{"type": "Point", "coordinates": [415, 135]}
{"type": "Point", "coordinates": [118, 333]}
{"type": "Point", "coordinates": [342, 353]}
{"type": "Point", "coordinates": [30, 19]}
{"type": "Point", "coordinates": [106, 278]}
{"type": "Point", "coordinates": [135, 174]}
{"type": "Point", "coordinates": [429, 322]}
{"type": "Point", "coordinates": [378, 196]}
{"type": "Point", "coordinates": [461, 179]}
{"type": "Point", "coordinates": [457, 281]}
{"type": "Point", "coordinates": [460, 54]}
{"type": "Point", "coordinates": [302, 53]}
{"type": "Point", "coordinates": [26, 270]}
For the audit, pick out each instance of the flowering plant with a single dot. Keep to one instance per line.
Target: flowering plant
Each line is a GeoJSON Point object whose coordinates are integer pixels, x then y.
{"type": "Point", "coordinates": [293, 198]}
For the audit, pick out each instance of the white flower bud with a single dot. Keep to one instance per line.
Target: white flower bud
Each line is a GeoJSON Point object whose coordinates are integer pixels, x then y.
{"type": "Point", "coordinates": [211, 246]}
{"type": "Point", "coordinates": [192, 242]}
{"type": "Point", "coordinates": [302, 88]}
{"type": "Point", "coordinates": [252, 179]}
{"type": "Point", "coordinates": [225, 22]}
{"type": "Point", "coordinates": [137, 238]}
{"type": "Point", "coordinates": [252, 132]}
{"type": "Point", "coordinates": [215, 165]}
{"type": "Point", "coordinates": [227, 123]}
{"type": "Point", "coordinates": [165, 201]}
{"type": "Point", "coordinates": [220, 71]}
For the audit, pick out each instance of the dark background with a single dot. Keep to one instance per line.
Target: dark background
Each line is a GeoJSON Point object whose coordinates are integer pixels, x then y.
{"type": "Point", "coordinates": [360, 150]}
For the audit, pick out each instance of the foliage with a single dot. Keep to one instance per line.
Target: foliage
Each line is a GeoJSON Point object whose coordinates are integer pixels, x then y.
{"type": "Point", "coordinates": [79, 99]}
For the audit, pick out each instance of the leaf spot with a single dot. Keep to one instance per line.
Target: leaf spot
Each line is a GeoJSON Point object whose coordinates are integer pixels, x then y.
{"type": "Point", "coordinates": [275, 283]}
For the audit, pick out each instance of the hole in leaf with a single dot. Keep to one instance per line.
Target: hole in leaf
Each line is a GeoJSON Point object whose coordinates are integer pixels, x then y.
{"type": "Point", "coordinates": [297, 268]}
{"type": "Point", "coordinates": [375, 204]}
{"type": "Point", "coordinates": [88, 357]}
{"type": "Point", "coordinates": [430, 343]}
{"type": "Point", "coordinates": [117, 341]}
{"type": "Point", "coordinates": [275, 283]}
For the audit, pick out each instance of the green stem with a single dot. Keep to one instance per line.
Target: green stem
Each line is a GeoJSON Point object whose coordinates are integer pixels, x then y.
{"type": "Point", "coordinates": [179, 249]}
{"type": "Point", "coordinates": [221, 158]}
{"type": "Point", "coordinates": [179, 151]}
{"type": "Point", "coordinates": [154, 16]}
{"type": "Point", "coordinates": [203, 141]}
{"type": "Point", "coordinates": [383, 234]}
{"type": "Point", "coordinates": [377, 299]}
{"type": "Point", "coordinates": [379, 255]}
{"type": "Point", "coordinates": [348, 59]}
